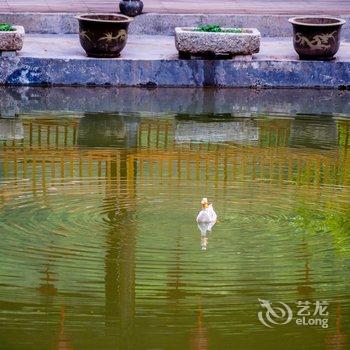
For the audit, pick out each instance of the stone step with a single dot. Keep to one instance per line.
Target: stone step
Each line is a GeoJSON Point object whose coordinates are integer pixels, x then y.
{"type": "Point", "coordinates": [161, 24]}
{"type": "Point", "coordinates": [151, 61]}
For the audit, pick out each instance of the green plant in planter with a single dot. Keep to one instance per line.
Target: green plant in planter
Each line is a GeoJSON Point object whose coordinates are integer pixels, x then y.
{"type": "Point", "coordinates": [215, 28]}
{"type": "Point", "coordinates": [5, 27]}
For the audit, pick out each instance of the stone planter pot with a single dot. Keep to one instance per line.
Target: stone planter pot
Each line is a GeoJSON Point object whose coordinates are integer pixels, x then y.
{"type": "Point", "coordinates": [103, 35]}
{"type": "Point", "coordinates": [189, 42]}
{"type": "Point", "coordinates": [316, 38]}
{"type": "Point", "coordinates": [131, 8]}
{"type": "Point", "coordinates": [12, 41]}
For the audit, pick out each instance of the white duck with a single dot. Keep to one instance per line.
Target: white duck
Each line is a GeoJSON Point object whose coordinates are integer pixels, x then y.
{"type": "Point", "coordinates": [207, 214]}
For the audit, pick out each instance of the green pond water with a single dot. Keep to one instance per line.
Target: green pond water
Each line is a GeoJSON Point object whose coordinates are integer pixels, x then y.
{"type": "Point", "coordinates": [100, 248]}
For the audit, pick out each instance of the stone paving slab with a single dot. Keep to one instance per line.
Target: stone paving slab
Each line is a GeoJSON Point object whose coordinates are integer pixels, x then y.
{"type": "Point", "coordinates": [152, 61]}
{"type": "Point", "coordinates": [186, 6]}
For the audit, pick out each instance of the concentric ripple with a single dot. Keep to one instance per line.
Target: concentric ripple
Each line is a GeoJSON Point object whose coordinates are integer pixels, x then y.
{"type": "Point", "coordinates": [100, 248]}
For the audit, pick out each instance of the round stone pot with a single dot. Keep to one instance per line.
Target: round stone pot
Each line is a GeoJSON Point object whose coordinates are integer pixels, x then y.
{"type": "Point", "coordinates": [316, 38]}
{"type": "Point", "coordinates": [103, 35]}
{"type": "Point", "coordinates": [131, 8]}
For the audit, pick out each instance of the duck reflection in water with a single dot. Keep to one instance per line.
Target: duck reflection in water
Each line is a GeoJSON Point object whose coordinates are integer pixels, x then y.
{"type": "Point", "coordinates": [205, 228]}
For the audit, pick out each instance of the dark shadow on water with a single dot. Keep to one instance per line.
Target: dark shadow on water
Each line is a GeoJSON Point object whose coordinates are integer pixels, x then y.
{"type": "Point", "coordinates": [96, 130]}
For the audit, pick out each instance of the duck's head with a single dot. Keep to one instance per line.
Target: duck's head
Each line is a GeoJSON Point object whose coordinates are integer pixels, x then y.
{"type": "Point", "coordinates": [205, 203]}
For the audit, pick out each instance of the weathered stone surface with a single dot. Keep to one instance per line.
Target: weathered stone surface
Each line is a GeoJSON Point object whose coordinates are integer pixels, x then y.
{"type": "Point", "coordinates": [43, 23]}
{"type": "Point", "coordinates": [188, 40]}
{"type": "Point", "coordinates": [151, 61]}
{"type": "Point", "coordinates": [12, 41]}
{"type": "Point", "coordinates": [161, 24]}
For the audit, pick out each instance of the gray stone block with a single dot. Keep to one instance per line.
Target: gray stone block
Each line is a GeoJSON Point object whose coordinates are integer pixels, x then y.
{"type": "Point", "coordinates": [151, 61]}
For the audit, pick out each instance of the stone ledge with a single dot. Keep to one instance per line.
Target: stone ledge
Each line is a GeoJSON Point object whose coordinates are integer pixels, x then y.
{"type": "Point", "coordinates": [152, 61]}
{"type": "Point", "coordinates": [161, 24]}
